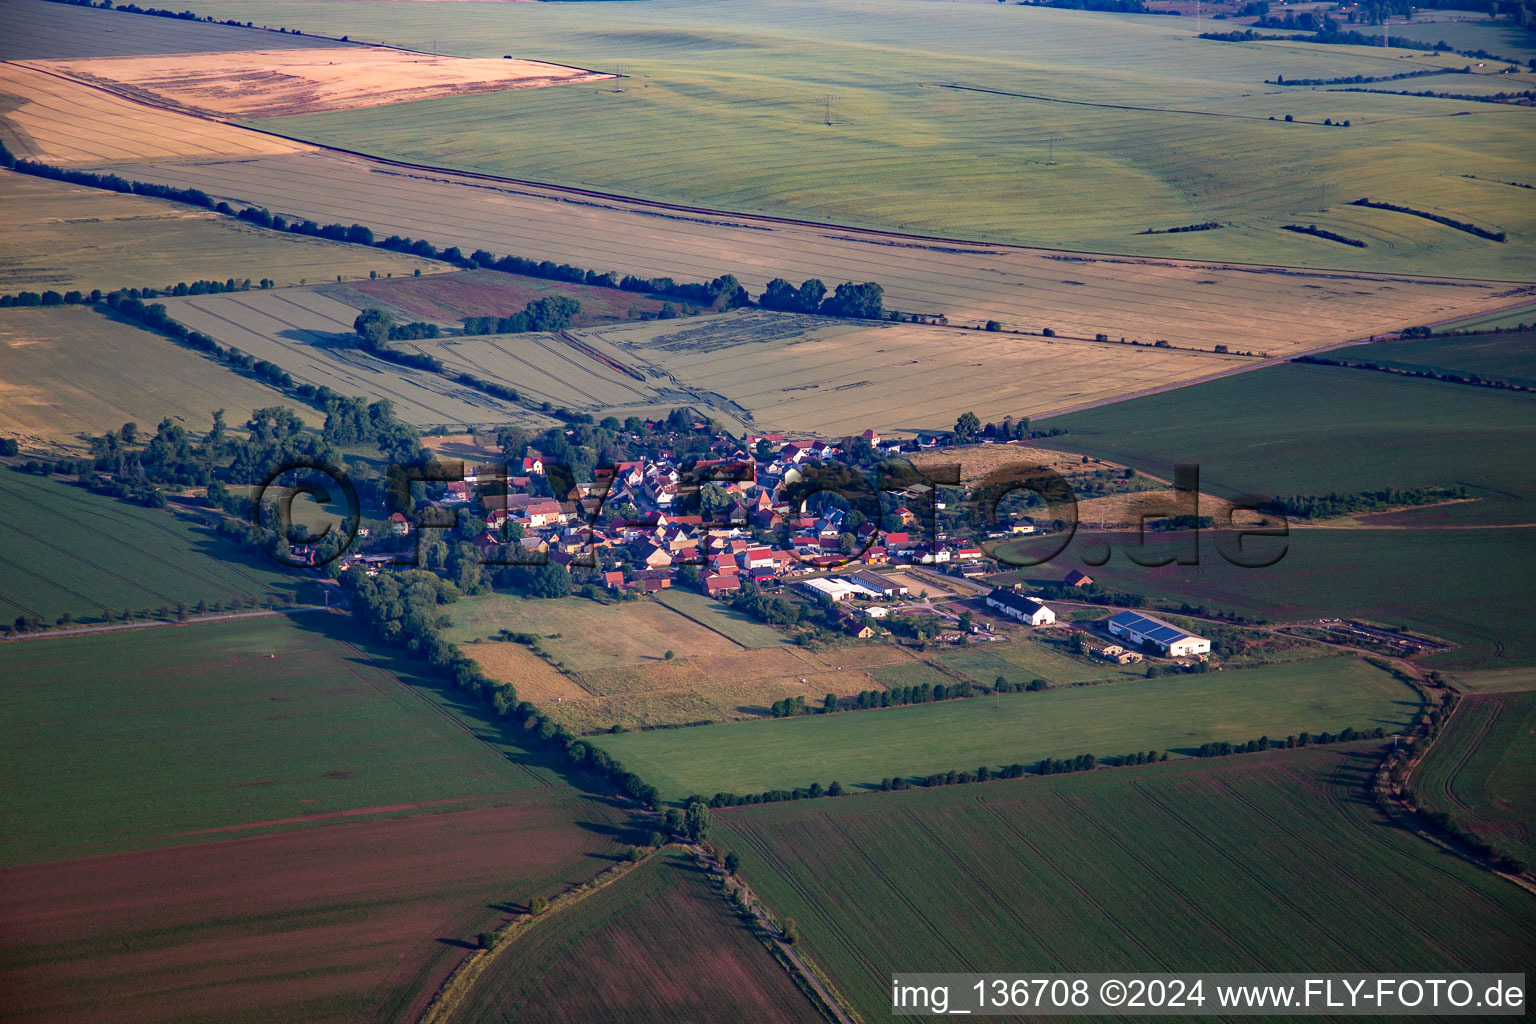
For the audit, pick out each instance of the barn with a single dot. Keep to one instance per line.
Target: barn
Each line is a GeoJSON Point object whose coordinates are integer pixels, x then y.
{"type": "Point", "coordinates": [1170, 639]}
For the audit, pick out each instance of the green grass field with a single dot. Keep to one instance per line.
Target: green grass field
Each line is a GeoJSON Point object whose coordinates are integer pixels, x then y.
{"type": "Point", "coordinates": [862, 747]}
{"type": "Point", "coordinates": [725, 106]}
{"type": "Point", "coordinates": [1469, 586]}
{"type": "Point", "coordinates": [659, 944]}
{"type": "Point", "coordinates": [1274, 862]}
{"type": "Point", "coordinates": [68, 550]}
{"type": "Point", "coordinates": [162, 737]}
{"type": "Point", "coordinates": [1482, 771]}
{"type": "Point", "coordinates": [721, 618]}
{"type": "Point", "coordinates": [1297, 429]}
{"type": "Point", "coordinates": [1024, 661]}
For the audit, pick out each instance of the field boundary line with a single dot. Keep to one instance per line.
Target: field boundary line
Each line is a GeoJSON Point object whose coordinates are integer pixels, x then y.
{"type": "Point", "coordinates": [464, 977]}
{"type": "Point", "coordinates": [701, 622]}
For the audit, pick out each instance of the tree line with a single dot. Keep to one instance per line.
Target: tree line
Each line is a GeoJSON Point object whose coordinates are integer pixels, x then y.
{"type": "Point", "coordinates": [1367, 79]}
{"type": "Point", "coordinates": [1306, 739]}
{"type": "Point", "coordinates": [1445, 376]}
{"type": "Point", "coordinates": [1338, 503]}
{"type": "Point", "coordinates": [1314, 230]}
{"type": "Point", "coordinates": [1450, 222]}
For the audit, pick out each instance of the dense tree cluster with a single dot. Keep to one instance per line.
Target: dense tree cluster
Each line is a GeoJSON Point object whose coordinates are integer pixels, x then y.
{"type": "Point", "coordinates": [548, 314]}
{"type": "Point", "coordinates": [1339, 503]}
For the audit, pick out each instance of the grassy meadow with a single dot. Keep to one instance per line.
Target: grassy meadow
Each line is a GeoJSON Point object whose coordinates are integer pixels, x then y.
{"type": "Point", "coordinates": [1187, 865]}
{"type": "Point", "coordinates": [861, 747]}
{"type": "Point", "coordinates": [726, 106]}
{"type": "Point", "coordinates": [1482, 771]}
{"type": "Point", "coordinates": [290, 718]}
{"type": "Point", "coordinates": [69, 550]}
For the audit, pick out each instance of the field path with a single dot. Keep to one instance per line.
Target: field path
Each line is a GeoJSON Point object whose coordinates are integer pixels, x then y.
{"type": "Point", "coordinates": [807, 976]}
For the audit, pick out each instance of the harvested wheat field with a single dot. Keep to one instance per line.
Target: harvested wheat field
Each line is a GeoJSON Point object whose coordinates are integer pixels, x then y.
{"type": "Point", "coordinates": [64, 122]}
{"type": "Point", "coordinates": [976, 462]}
{"type": "Point", "coordinates": [535, 679]}
{"type": "Point", "coordinates": [64, 237]}
{"type": "Point", "coordinates": [834, 377]}
{"type": "Point", "coordinates": [71, 371]}
{"type": "Point", "coordinates": [275, 83]}
{"type": "Point", "coordinates": [1278, 310]}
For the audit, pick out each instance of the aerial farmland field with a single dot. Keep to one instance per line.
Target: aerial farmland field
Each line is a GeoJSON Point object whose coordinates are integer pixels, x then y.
{"type": "Point", "coordinates": [1479, 771]}
{"type": "Point", "coordinates": [301, 725]}
{"type": "Point", "coordinates": [1096, 871]}
{"type": "Point", "coordinates": [1468, 586]}
{"type": "Point", "coordinates": [1309, 430]}
{"type": "Point", "coordinates": [311, 336]}
{"type": "Point", "coordinates": [1076, 294]}
{"type": "Point", "coordinates": [271, 83]}
{"type": "Point", "coordinates": [70, 551]}
{"type": "Point", "coordinates": [659, 942]}
{"type": "Point", "coordinates": [45, 114]}
{"type": "Point", "coordinates": [1064, 110]}
{"type": "Point", "coordinates": [33, 29]}
{"type": "Point", "coordinates": [859, 748]}
{"type": "Point", "coordinates": [67, 237]}
{"type": "Point", "coordinates": [310, 752]}
{"type": "Point", "coordinates": [72, 371]}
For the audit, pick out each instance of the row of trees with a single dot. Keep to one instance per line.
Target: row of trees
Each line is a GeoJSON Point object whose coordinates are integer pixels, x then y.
{"type": "Point", "coordinates": [1305, 739]}
{"type": "Point", "coordinates": [1450, 222]}
{"type": "Point", "coordinates": [1337, 503]}
{"type": "Point", "coordinates": [1448, 376]}
{"type": "Point", "coordinates": [1317, 232]}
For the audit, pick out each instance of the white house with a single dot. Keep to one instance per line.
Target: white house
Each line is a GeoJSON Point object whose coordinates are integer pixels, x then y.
{"type": "Point", "coordinates": [1017, 606]}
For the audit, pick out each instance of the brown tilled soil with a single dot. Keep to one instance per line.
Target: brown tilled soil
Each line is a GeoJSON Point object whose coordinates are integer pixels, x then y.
{"type": "Point", "coordinates": [329, 923]}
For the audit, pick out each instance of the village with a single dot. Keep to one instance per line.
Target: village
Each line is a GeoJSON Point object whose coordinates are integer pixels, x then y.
{"type": "Point", "coordinates": [740, 518]}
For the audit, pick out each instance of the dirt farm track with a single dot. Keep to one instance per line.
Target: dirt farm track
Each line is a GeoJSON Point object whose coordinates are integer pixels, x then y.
{"type": "Point", "coordinates": [1248, 308]}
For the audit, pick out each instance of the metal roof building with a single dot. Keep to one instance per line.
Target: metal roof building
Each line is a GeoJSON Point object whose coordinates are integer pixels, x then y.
{"type": "Point", "coordinates": [1169, 639]}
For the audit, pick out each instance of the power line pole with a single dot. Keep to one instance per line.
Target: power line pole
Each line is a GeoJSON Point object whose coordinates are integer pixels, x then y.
{"type": "Point", "coordinates": [1050, 160]}
{"type": "Point", "coordinates": [827, 103]}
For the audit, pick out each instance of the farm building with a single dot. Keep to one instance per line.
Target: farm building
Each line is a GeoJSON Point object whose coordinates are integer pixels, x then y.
{"type": "Point", "coordinates": [1017, 606]}
{"type": "Point", "coordinates": [1078, 579]}
{"type": "Point", "coordinates": [836, 589]}
{"type": "Point", "coordinates": [1171, 640]}
{"type": "Point", "coordinates": [882, 586]}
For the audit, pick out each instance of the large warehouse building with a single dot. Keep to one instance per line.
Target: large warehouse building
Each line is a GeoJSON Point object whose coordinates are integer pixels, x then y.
{"type": "Point", "coordinates": [1171, 640]}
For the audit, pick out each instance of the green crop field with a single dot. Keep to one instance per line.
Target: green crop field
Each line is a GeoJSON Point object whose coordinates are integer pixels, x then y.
{"type": "Point", "coordinates": [1482, 771]}
{"type": "Point", "coordinates": [1310, 430]}
{"type": "Point", "coordinates": [861, 747]}
{"type": "Point", "coordinates": [1275, 862]}
{"type": "Point", "coordinates": [1508, 357]}
{"type": "Point", "coordinates": [160, 737]}
{"type": "Point", "coordinates": [1468, 586]}
{"type": "Point", "coordinates": [659, 944]}
{"type": "Point", "coordinates": [68, 550]}
{"type": "Point", "coordinates": [726, 106]}
{"type": "Point", "coordinates": [721, 618]}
